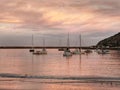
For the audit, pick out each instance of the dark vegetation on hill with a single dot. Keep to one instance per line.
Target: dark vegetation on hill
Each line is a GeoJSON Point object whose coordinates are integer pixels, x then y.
{"type": "Point", "coordinates": [113, 41]}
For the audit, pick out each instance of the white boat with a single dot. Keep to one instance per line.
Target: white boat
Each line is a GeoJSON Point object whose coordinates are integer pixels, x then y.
{"type": "Point", "coordinates": [76, 51]}
{"type": "Point", "coordinates": [101, 51]}
{"type": "Point", "coordinates": [32, 49]}
{"type": "Point", "coordinates": [67, 51]}
{"type": "Point", "coordinates": [43, 51]}
{"type": "Point", "coordinates": [36, 53]}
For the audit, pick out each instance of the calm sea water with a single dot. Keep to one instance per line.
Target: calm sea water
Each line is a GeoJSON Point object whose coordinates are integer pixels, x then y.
{"type": "Point", "coordinates": [22, 62]}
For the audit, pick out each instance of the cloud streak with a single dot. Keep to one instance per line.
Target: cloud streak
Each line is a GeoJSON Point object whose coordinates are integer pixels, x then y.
{"type": "Point", "coordinates": [69, 15]}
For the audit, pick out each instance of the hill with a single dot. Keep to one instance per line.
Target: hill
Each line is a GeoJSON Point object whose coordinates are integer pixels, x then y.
{"type": "Point", "coordinates": [113, 41]}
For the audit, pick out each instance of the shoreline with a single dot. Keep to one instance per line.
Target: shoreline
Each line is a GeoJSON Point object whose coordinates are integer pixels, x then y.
{"type": "Point", "coordinates": [81, 79]}
{"type": "Point", "coordinates": [54, 47]}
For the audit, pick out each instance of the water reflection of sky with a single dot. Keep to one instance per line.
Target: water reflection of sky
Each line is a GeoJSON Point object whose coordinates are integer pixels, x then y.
{"type": "Point", "coordinates": [54, 64]}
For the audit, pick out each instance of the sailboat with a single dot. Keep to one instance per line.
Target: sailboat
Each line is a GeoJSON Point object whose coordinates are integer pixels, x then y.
{"type": "Point", "coordinates": [78, 51]}
{"type": "Point", "coordinates": [32, 49]}
{"type": "Point", "coordinates": [67, 51]}
{"type": "Point", "coordinates": [36, 53]}
{"type": "Point", "coordinates": [101, 51]}
{"type": "Point", "coordinates": [43, 51]}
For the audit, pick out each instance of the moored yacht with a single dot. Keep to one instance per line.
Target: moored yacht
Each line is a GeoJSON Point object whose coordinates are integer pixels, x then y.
{"type": "Point", "coordinates": [102, 51]}
{"type": "Point", "coordinates": [67, 51]}
{"type": "Point", "coordinates": [43, 51]}
{"type": "Point", "coordinates": [78, 51]}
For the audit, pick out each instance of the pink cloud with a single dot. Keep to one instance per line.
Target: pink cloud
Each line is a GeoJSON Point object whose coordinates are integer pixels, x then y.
{"type": "Point", "coordinates": [69, 15]}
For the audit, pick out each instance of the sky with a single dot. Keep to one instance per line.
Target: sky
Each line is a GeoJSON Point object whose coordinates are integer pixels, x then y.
{"type": "Point", "coordinates": [53, 19]}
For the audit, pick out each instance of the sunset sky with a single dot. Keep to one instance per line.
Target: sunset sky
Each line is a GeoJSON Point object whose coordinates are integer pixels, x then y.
{"type": "Point", "coordinates": [94, 19]}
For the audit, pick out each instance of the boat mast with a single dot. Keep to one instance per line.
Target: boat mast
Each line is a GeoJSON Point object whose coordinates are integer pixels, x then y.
{"type": "Point", "coordinates": [68, 44]}
{"type": "Point", "coordinates": [32, 41]}
{"type": "Point", "coordinates": [80, 43]}
{"type": "Point", "coordinates": [43, 42]}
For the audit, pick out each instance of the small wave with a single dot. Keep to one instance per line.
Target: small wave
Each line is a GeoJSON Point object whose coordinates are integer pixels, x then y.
{"type": "Point", "coordinates": [81, 79]}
